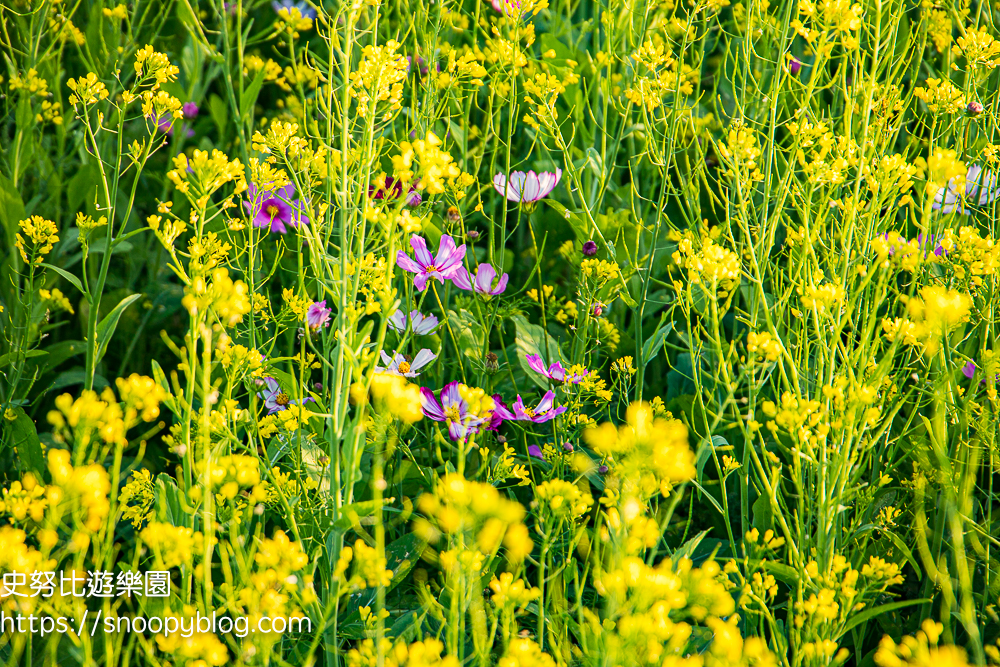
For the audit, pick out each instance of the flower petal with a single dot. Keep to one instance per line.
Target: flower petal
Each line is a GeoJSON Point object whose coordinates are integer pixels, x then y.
{"type": "Point", "coordinates": [423, 358]}
{"type": "Point", "coordinates": [532, 188]}
{"type": "Point", "coordinates": [501, 286]}
{"type": "Point", "coordinates": [461, 279]}
{"type": "Point", "coordinates": [406, 263]}
{"type": "Point", "coordinates": [423, 255]}
{"type": "Point", "coordinates": [484, 278]}
{"type": "Point", "coordinates": [430, 405]}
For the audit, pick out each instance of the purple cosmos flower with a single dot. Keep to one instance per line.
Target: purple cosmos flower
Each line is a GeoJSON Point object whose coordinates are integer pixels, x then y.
{"type": "Point", "coordinates": [391, 188]}
{"type": "Point", "coordinates": [501, 413]}
{"type": "Point", "coordinates": [318, 315]}
{"type": "Point", "coordinates": [568, 446]}
{"type": "Point", "coordinates": [165, 124]}
{"type": "Point", "coordinates": [921, 245]}
{"type": "Point", "coordinates": [969, 371]}
{"type": "Point", "coordinates": [589, 249]}
{"type": "Point", "coordinates": [485, 276]}
{"type": "Point", "coordinates": [421, 324]}
{"type": "Point", "coordinates": [554, 372]}
{"type": "Point", "coordinates": [794, 65]}
{"type": "Point", "coordinates": [444, 266]}
{"type": "Point", "coordinates": [400, 365]}
{"type": "Point", "coordinates": [276, 400]}
{"type": "Point", "coordinates": [303, 7]}
{"type": "Point", "coordinates": [275, 210]}
{"type": "Point", "coordinates": [452, 409]}
{"type": "Point", "coordinates": [980, 188]}
{"type": "Point", "coordinates": [527, 188]}
{"type": "Point", "coordinates": [190, 110]}
{"type": "Point", "coordinates": [536, 451]}
{"type": "Point", "coordinates": [507, 7]}
{"type": "Point", "coordinates": [541, 413]}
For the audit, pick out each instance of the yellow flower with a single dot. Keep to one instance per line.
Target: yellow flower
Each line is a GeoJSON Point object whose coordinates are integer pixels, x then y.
{"type": "Point", "coordinates": [41, 235]}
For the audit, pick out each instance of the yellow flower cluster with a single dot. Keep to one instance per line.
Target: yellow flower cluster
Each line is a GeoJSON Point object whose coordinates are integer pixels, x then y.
{"type": "Point", "coordinates": [510, 594]}
{"type": "Point", "coordinates": [822, 299]}
{"type": "Point", "coordinates": [740, 153]}
{"type": "Point", "coordinates": [136, 498]}
{"type": "Point", "coordinates": [935, 313]}
{"type": "Point", "coordinates": [979, 48]}
{"type": "Point", "coordinates": [803, 419]}
{"type": "Point", "coordinates": [711, 265]}
{"type": "Point", "coordinates": [425, 653]}
{"type": "Point", "coordinates": [398, 396]}
{"type": "Point", "coordinates": [87, 90]}
{"type": "Point", "coordinates": [523, 652]}
{"type": "Point", "coordinates": [921, 650]}
{"type": "Point", "coordinates": [941, 96]}
{"type": "Point", "coordinates": [82, 488]}
{"type": "Point", "coordinates": [56, 296]}
{"type": "Point", "coordinates": [87, 416]}
{"type": "Point", "coordinates": [435, 170]}
{"type": "Point", "coordinates": [561, 500]}
{"type": "Point", "coordinates": [599, 271]}
{"type": "Point", "coordinates": [664, 75]}
{"type": "Point", "coordinates": [24, 499]}
{"type": "Point", "coordinates": [142, 397]}
{"type": "Point", "coordinates": [172, 546]}
{"type": "Point", "coordinates": [477, 510]}
{"type": "Point", "coordinates": [763, 346]}
{"type": "Point", "coordinates": [152, 64]}
{"type": "Point", "coordinates": [202, 649]}
{"type": "Point", "coordinates": [653, 452]}
{"type": "Point", "coordinates": [202, 174]}
{"type": "Point", "coordinates": [41, 235]}
{"type": "Point", "coordinates": [17, 557]}
{"type": "Point", "coordinates": [228, 474]}
{"type": "Point", "coordinates": [286, 421]}
{"type": "Point", "coordinates": [227, 299]}
{"type": "Point", "coordinates": [379, 78]}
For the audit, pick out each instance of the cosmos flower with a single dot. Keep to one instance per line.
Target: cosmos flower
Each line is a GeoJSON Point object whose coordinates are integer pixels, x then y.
{"type": "Point", "coordinates": [190, 110]}
{"type": "Point", "coordinates": [527, 188]}
{"type": "Point", "coordinates": [421, 324]}
{"type": "Point", "coordinates": [275, 210]}
{"type": "Point", "coordinates": [923, 246]}
{"type": "Point", "coordinates": [485, 276]}
{"type": "Point", "coordinates": [390, 188]}
{"type": "Point", "coordinates": [980, 189]}
{"type": "Point", "coordinates": [554, 372]}
{"type": "Point", "coordinates": [507, 7]}
{"type": "Point", "coordinates": [970, 369]}
{"type": "Point", "coordinates": [165, 124]}
{"type": "Point", "coordinates": [276, 400]}
{"type": "Point", "coordinates": [318, 315]}
{"type": "Point", "coordinates": [444, 266]}
{"type": "Point", "coordinates": [452, 409]}
{"type": "Point", "coordinates": [794, 65]}
{"type": "Point", "coordinates": [303, 7]}
{"type": "Point", "coordinates": [541, 413]}
{"type": "Point", "coordinates": [501, 413]}
{"type": "Point", "coordinates": [536, 451]}
{"type": "Point", "coordinates": [399, 365]}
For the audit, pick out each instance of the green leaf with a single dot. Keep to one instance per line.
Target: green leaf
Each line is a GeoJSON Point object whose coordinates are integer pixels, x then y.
{"type": "Point", "coordinates": [687, 549]}
{"type": "Point", "coordinates": [169, 507]}
{"type": "Point", "coordinates": [106, 329]}
{"type": "Point", "coordinates": [654, 343]}
{"type": "Point", "coordinates": [531, 339]}
{"type": "Point", "coordinates": [161, 379]}
{"type": "Point", "coordinates": [6, 359]}
{"type": "Point", "coordinates": [871, 613]}
{"type": "Point", "coordinates": [24, 438]}
{"type": "Point", "coordinates": [250, 95]}
{"type": "Point", "coordinates": [11, 209]}
{"type": "Point", "coordinates": [471, 334]}
{"type": "Point", "coordinates": [73, 280]}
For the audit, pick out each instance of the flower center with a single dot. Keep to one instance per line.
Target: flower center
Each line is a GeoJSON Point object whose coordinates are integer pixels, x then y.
{"type": "Point", "coordinates": [272, 211]}
{"type": "Point", "coordinates": [452, 413]}
{"type": "Point", "coordinates": [404, 367]}
{"type": "Point", "coordinates": [281, 399]}
{"type": "Point", "coordinates": [529, 412]}
{"type": "Point", "coordinates": [431, 268]}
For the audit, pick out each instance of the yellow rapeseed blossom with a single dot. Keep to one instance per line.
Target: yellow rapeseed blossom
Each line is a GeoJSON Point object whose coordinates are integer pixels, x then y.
{"type": "Point", "coordinates": [41, 235]}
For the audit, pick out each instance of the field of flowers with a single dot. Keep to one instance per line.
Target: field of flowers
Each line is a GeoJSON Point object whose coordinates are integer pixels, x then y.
{"type": "Point", "coordinates": [527, 333]}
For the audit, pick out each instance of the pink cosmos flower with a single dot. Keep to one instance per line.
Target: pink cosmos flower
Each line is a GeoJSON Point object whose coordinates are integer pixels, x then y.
{"type": "Point", "coordinates": [400, 365]}
{"type": "Point", "coordinates": [485, 276]}
{"type": "Point", "coordinates": [507, 7]}
{"type": "Point", "coordinates": [276, 400]}
{"type": "Point", "coordinates": [318, 315]}
{"type": "Point", "coordinates": [165, 123]}
{"type": "Point", "coordinates": [391, 188]}
{"type": "Point", "coordinates": [501, 413]}
{"type": "Point", "coordinates": [527, 188]}
{"type": "Point", "coordinates": [554, 372]}
{"type": "Point", "coordinates": [421, 324]}
{"type": "Point", "coordinates": [444, 266]}
{"type": "Point", "coordinates": [980, 188]}
{"type": "Point", "coordinates": [541, 413]}
{"type": "Point", "coordinates": [190, 110]}
{"type": "Point", "coordinates": [452, 409]}
{"type": "Point", "coordinates": [536, 451]}
{"type": "Point", "coordinates": [275, 210]}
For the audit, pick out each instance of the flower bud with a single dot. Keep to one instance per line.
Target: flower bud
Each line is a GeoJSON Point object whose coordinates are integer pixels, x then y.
{"type": "Point", "coordinates": [794, 65]}
{"type": "Point", "coordinates": [975, 108]}
{"type": "Point", "coordinates": [589, 249]}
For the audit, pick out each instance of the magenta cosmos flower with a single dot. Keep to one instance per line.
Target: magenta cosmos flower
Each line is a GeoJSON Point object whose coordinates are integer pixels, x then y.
{"type": "Point", "coordinates": [980, 188]}
{"type": "Point", "coordinates": [276, 400]}
{"type": "Point", "coordinates": [400, 365]}
{"type": "Point", "coordinates": [527, 188]}
{"type": "Point", "coordinates": [554, 372]}
{"type": "Point", "coordinates": [452, 409]}
{"type": "Point", "coordinates": [318, 315]}
{"type": "Point", "coordinates": [390, 188]}
{"type": "Point", "coordinates": [507, 7]}
{"type": "Point", "coordinates": [275, 210]}
{"type": "Point", "coordinates": [539, 414]}
{"type": "Point", "coordinates": [484, 282]}
{"type": "Point", "coordinates": [420, 323]}
{"type": "Point", "coordinates": [444, 266]}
